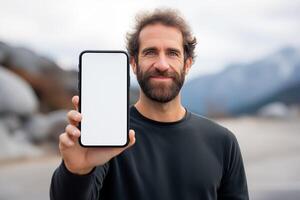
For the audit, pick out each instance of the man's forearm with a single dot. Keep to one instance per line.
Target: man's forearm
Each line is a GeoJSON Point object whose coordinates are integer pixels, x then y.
{"type": "Point", "coordinates": [66, 185]}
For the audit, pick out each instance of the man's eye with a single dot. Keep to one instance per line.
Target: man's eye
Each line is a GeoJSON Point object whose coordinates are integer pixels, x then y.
{"type": "Point", "coordinates": [149, 53]}
{"type": "Point", "coordinates": [173, 53]}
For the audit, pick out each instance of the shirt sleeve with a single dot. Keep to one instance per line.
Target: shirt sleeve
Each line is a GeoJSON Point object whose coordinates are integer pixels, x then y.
{"type": "Point", "coordinates": [66, 185]}
{"type": "Point", "coordinates": [234, 183]}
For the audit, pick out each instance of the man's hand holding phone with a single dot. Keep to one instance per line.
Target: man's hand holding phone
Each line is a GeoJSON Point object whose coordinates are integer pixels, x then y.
{"type": "Point", "coordinates": [80, 160]}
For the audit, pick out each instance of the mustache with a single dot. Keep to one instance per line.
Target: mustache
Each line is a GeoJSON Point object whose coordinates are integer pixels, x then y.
{"type": "Point", "coordinates": [166, 74]}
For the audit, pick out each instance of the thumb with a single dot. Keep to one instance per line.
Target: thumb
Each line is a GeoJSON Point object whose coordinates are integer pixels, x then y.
{"type": "Point", "coordinates": [131, 138]}
{"type": "Point", "coordinates": [117, 151]}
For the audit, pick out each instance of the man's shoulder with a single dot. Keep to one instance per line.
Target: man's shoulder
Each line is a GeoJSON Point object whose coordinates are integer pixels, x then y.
{"type": "Point", "coordinates": [210, 127]}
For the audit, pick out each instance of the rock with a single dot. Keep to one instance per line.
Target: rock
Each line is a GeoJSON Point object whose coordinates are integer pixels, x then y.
{"type": "Point", "coordinates": [11, 148]}
{"type": "Point", "coordinates": [53, 85]}
{"type": "Point", "coordinates": [58, 120]}
{"type": "Point", "coordinates": [4, 52]}
{"type": "Point", "coordinates": [16, 95]}
{"type": "Point", "coordinates": [24, 59]}
{"type": "Point", "coordinates": [37, 128]}
{"type": "Point", "coordinates": [12, 121]}
{"type": "Point", "coordinates": [41, 127]}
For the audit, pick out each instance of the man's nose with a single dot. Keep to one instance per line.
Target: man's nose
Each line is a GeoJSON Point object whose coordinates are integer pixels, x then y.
{"type": "Point", "coordinates": [161, 64]}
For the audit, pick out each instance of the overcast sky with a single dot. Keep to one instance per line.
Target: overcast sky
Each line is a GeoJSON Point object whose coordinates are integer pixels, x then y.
{"type": "Point", "coordinates": [227, 31]}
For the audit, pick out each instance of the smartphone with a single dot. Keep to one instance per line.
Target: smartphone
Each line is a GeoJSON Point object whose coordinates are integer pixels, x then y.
{"type": "Point", "coordinates": [104, 98]}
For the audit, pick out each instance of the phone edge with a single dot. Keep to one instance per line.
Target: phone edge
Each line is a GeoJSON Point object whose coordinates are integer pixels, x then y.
{"type": "Point", "coordinates": [128, 90]}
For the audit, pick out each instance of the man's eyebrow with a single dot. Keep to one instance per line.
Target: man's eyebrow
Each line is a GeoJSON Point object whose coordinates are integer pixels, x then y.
{"type": "Point", "coordinates": [174, 49]}
{"type": "Point", "coordinates": [149, 49]}
{"type": "Point", "coordinates": [155, 49]}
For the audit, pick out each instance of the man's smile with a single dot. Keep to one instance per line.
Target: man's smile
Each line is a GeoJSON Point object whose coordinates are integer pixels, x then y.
{"type": "Point", "coordinates": [161, 78]}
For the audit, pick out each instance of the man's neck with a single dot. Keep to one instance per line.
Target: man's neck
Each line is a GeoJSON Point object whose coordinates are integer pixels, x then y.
{"type": "Point", "coordinates": [164, 112]}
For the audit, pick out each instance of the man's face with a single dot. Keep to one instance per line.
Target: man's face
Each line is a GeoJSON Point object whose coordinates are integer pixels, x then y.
{"type": "Point", "coordinates": [161, 69]}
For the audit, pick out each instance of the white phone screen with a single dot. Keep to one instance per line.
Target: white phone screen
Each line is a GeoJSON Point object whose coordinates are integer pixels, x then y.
{"type": "Point", "coordinates": [104, 86]}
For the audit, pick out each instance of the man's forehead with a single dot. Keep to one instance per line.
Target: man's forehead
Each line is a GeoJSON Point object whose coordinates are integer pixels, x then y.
{"type": "Point", "coordinates": [160, 35]}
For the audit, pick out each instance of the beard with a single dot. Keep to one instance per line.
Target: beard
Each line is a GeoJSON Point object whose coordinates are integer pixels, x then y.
{"type": "Point", "coordinates": [161, 92]}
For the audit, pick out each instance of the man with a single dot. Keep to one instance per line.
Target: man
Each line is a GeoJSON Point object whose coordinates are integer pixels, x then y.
{"type": "Point", "coordinates": [178, 154]}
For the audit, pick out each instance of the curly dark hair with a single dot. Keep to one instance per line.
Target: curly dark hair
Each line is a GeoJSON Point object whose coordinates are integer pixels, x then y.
{"type": "Point", "coordinates": [168, 17]}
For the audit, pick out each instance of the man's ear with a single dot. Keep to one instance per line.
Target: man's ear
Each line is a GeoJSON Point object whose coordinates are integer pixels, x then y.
{"type": "Point", "coordinates": [188, 65]}
{"type": "Point", "coordinates": [133, 65]}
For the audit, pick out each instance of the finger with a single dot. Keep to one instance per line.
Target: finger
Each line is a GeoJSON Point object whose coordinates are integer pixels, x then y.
{"type": "Point", "coordinates": [72, 131]}
{"type": "Point", "coordinates": [65, 141]}
{"type": "Point", "coordinates": [131, 138]}
{"type": "Point", "coordinates": [74, 117]}
{"type": "Point", "coordinates": [75, 101]}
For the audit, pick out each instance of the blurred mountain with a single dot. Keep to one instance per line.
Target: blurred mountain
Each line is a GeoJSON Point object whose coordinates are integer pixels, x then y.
{"type": "Point", "coordinates": [245, 88]}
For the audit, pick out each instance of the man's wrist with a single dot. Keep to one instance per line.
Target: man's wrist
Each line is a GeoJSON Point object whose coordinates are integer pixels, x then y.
{"type": "Point", "coordinates": [80, 172]}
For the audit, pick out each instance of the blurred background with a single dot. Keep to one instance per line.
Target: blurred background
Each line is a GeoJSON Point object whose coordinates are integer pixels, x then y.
{"type": "Point", "coordinates": [246, 77]}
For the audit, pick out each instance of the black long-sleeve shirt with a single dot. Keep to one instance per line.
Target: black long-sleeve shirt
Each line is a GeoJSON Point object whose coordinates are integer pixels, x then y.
{"type": "Point", "coordinates": [193, 158]}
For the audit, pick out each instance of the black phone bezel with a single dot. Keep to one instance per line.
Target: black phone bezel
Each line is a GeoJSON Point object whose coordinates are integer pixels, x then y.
{"type": "Point", "coordinates": [127, 99]}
